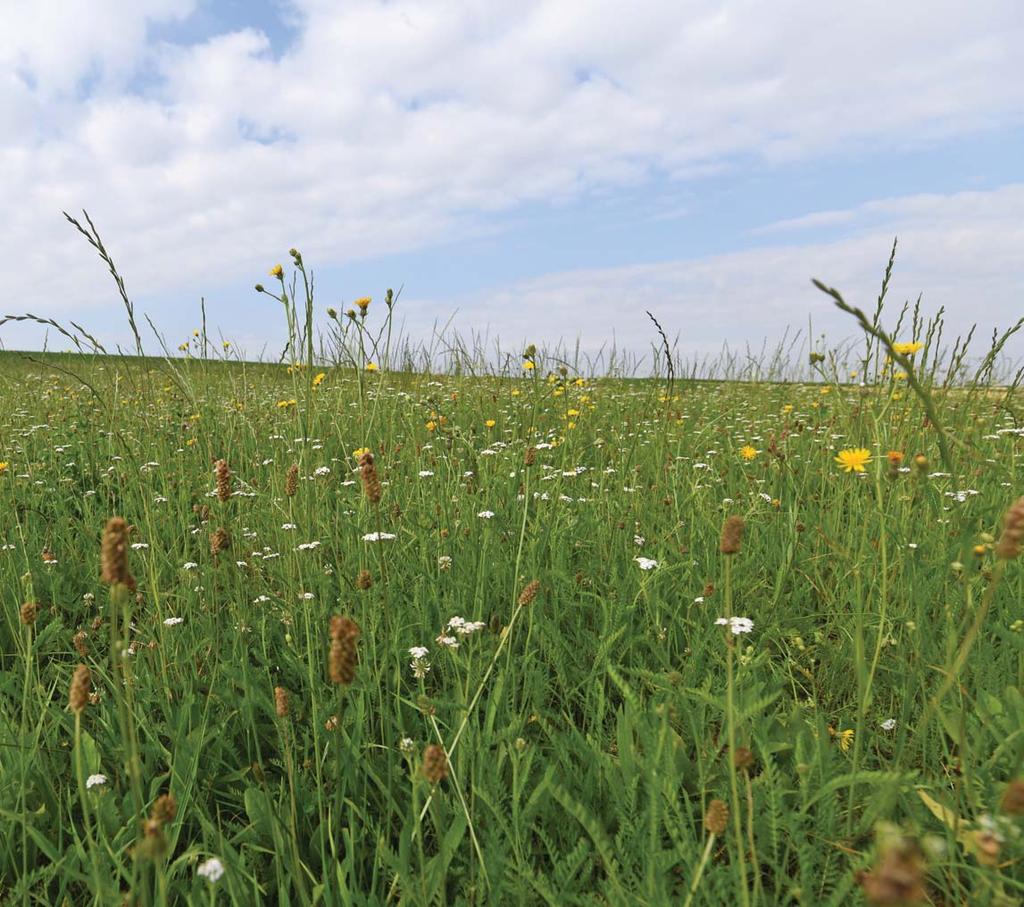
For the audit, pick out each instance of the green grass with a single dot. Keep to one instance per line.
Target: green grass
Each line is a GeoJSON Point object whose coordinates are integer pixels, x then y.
{"type": "Point", "coordinates": [588, 730]}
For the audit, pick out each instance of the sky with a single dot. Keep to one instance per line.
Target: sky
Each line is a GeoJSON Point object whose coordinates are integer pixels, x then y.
{"type": "Point", "coordinates": [524, 171]}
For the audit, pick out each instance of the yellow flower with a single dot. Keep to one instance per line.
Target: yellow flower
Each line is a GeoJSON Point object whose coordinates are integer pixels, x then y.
{"type": "Point", "coordinates": [853, 459]}
{"type": "Point", "coordinates": [490, 423]}
{"type": "Point", "coordinates": [748, 452]}
{"type": "Point", "coordinates": [580, 382]}
{"type": "Point", "coordinates": [788, 408]}
{"type": "Point", "coordinates": [895, 457]}
{"type": "Point", "coordinates": [515, 392]}
{"type": "Point", "coordinates": [319, 379]}
{"type": "Point", "coordinates": [363, 303]}
{"type": "Point", "coordinates": [431, 425]}
{"type": "Point", "coordinates": [3, 465]}
{"type": "Point", "coordinates": [907, 349]}
{"type": "Point", "coordinates": [227, 344]}
{"type": "Point", "coordinates": [528, 365]}
{"type": "Point", "coordinates": [845, 739]}
{"type": "Point", "coordinates": [359, 451]}
{"type": "Point", "coordinates": [276, 271]}
{"type": "Point", "coordinates": [281, 404]}
{"type": "Point", "coordinates": [195, 333]}
{"type": "Point", "coordinates": [572, 412]}
{"type": "Point", "coordinates": [371, 366]}
{"type": "Point", "coordinates": [190, 442]}
{"type": "Point", "coordinates": [825, 390]}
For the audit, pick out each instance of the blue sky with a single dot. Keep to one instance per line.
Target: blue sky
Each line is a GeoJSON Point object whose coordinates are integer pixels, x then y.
{"type": "Point", "coordinates": [539, 169]}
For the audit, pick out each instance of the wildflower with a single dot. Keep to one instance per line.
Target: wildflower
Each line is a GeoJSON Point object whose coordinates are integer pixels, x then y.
{"type": "Point", "coordinates": [223, 474]}
{"type": "Point", "coordinates": [173, 621]}
{"type": "Point", "coordinates": [29, 612]}
{"type": "Point", "coordinates": [114, 554]}
{"type": "Point", "coordinates": [444, 562]}
{"type": "Point", "coordinates": [406, 745]}
{"type": "Point", "coordinates": [291, 481]}
{"type": "Point", "coordinates": [277, 271]}
{"type": "Point", "coordinates": [363, 303]}
{"type": "Point", "coordinates": [907, 349]}
{"type": "Point", "coordinates": [281, 702]}
{"type": "Point", "coordinates": [888, 725]}
{"type": "Point", "coordinates": [490, 423]}
{"type": "Point", "coordinates": [319, 379]}
{"type": "Point", "coordinates": [485, 514]}
{"type": "Point", "coordinates": [646, 563]}
{"type": "Point", "coordinates": [845, 739]}
{"type": "Point", "coordinates": [371, 366]}
{"type": "Point", "coordinates": [359, 453]}
{"type": "Point", "coordinates": [528, 365]}
{"type": "Point", "coordinates": [748, 452]}
{"type": "Point", "coordinates": [1008, 547]}
{"type": "Point", "coordinates": [96, 780]}
{"type": "Point", "coordinates": [853, 459]}
{"type": "Point", "coordinates": [448, 642]}
{"type": "Point", "coordinates": [378, 536]}
{"type": "Point", "coordinates": [212, 869]}
{"type": "Point", "coordinates": [3, 466]}
{"type": "Point", "coordinates": [420, 664]}
{"type": "Point", "coordinates": [431, 425]}
{"type": "Point", "coordinates": [371, 481]}
{"type": "Point", "coordinates": [737, 625]}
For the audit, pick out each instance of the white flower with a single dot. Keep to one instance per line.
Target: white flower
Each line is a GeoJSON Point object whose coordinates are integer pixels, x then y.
{"type": "Point", "coordinates": [211, 870]}
{"type": "Point", "coordinates": [889, 724]}
{"type": "Point", "coordinates": [307, 596]}
{"type": "Point", "coordinates": [407, 744]}
{"type": "Point", "coordinates": [425, 473]}
{"type": "Point", "coordinates": [139, 546]}
{"type": "Point", "coordinates": [646, 563]}
{"type": "Point", "coordinates": [173, 621]}
{"type": "Point", "coordinates": [95, 781]}
{"type": "Point", "coordinates": [322, 471]}
{"type": "Point", "coordinates": [378, 536]}
{"type": "Point", "coordinates": [308, 546]}
{"type": "Point", "coordinates": [449, 642]}
{"type": "Point", "coordinates": [289, 526]}
{"type": "Point", "coordinates": [485, 514]}
{"type": "Point", "coordinates": [638, 540]}
{"type": "Point", "coordinates": [419, 664]}
{"type": "Point", "coordinates": [738, 625]}
{"type": "Point", "coordinates": [189, 565]}
{"type": "Point", "coordinates": [444, 562]}
{"type": "Point", "coordinates": [419, 651]}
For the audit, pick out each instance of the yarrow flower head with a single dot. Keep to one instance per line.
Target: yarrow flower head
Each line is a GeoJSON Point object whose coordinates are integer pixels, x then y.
{"type": "Point", "coordinates": [212, 869]}
{"type": "Point", "coordinates": [646, 563]}
{"type": "Point", "coordinates": [420, 664]}
{"type": "Point", "coordinates": [96, 780]}
{"type": "Point", "coordinates": [736, 625]}
{"type": "Point", "coordinates": [853, 459]}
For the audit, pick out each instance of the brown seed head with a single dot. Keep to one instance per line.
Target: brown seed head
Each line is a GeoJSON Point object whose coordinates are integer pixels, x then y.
{"type": "Point", "coordinates": [81, 684]}
{"type": "Point", "coordinates": [529, 593]}
{"type": "Point", "coordinates": [291, 480]}
{"type": "Point", "coordinates": [164, 809]}
{"type": "Point", "coordinates": [743, 758]}
{"type": "Point", "coordinates": [219, 541]}
{"type": "Point", "coordinates": [344, 656]}
{"type": "Point", "coordinates": [371, 481]}
{"type": "Point", "coordinates": [530, 457]}
{"type": "Point", "coordinates": [281, 702]}
{"type": "Point", "coordinates": [223, 480]}
{"type": "Point", "coordinates": [81, 646]}
{"type": "Point", "coordinates": [1012, 802]}
{"type": "Point", "coordinates": [435, 763]}
{"type": "Point", "coordinates": [897, 879]}
{"type": "Point", "coordinates": [364, 580]}
{"type": "Point", "coordinates": [29, 613]}
{"type": "Point", "coordinates": [732, 535]}
{"type": "Point", "coordinates": [716, 819]}
{"type": "Point", "coordinates": [114, 554]}
{"type": "Point", "coordinates": [1013, 532]}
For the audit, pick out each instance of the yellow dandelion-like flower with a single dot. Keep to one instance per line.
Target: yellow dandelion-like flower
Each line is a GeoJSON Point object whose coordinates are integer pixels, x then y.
{"type": "Point", "coordinates": [788, 408]}
{"type": "Point", "coordinates": [490, 423]}
{"type": "Point", "coordinates": [282, 404]}
{"type": "Point", "coordinates": [853, 459]}
{"type": "Point", "coordinates": [276, 271]}
{"type": "Point", "coordinates": [431, 425]}
{"type": "Point", "coordinates": [319, 379]}
{"type": "Point", "coordinates": [3, 465]}
{"type": "Point", "coordinates": [748, 452]}
{"type": "Point", "coordinates": [528, 365]}
{"type": "Point", "coordinates": [371, 366]}
{"type": "Point", "coordinates": [515, 392]}
{"type": "Point", "coordinates": [845, 739]}
{"type": "Point", "coordinates": [360, 452]}
{"type": "Point", "coordinates": [907, 349]}
{"type": "Point", "coordinates": [363, 303]}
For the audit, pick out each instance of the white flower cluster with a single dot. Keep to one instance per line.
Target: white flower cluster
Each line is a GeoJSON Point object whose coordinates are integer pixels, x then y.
{"type": "Point", "coordinates": [737, 625]}
{"type": "Point", "coordinates": [420, 664]}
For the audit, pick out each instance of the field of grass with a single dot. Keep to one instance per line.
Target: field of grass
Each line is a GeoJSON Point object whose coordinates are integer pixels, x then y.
{"type": "Point", "coordinates": [511, 656]}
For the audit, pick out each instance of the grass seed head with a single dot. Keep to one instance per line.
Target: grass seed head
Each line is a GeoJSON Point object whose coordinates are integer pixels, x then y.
{"type": "Point", "coordinates": [716, 819]}
{"type": "Point", "coordinates": [732, 535]}
{"type": "Point", "coordinates": [81, 684]}
{"type": "Point", "coordinates": [29, 612]}
{"type": "Point", "coordinates": [1012, 802]}
{"type": "Point", "coordinates": [219, 541]}
{"type": "Point", "coordinates": [364, 580]}
{"type": "Point", "coordinates": [291, 480]}
{"type": "Point", "coordinates": [897, 879]}
{"type": "Point", "coordinates": [529, 593]}
{"type": "Point", "coordinates": [281, 702]}
{"type": "Point", "coordinates": [223, 480]}
{"type": "Point", "coordinates": [114, 554]}
{"type": "Point", "coordinates": [435, 763]}
{"type": "Point", "coordinates": [344, 656]}
{"type": "Point", "coordinates": [1008, 547]}
{"type": "Point", "coordinates": [371, 481]}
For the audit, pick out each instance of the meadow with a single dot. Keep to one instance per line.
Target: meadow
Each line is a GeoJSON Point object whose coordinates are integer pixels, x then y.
{"type": "Point", "coordinates": [343, 630]}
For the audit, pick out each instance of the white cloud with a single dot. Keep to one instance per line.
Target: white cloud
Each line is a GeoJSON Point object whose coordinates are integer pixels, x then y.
{"type": "Point", "coordinates": [389, 126]}
{"type": "Point", "coordinates": [961, 251]}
